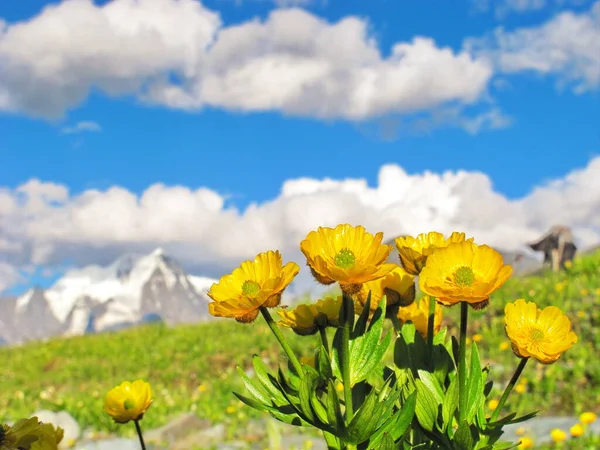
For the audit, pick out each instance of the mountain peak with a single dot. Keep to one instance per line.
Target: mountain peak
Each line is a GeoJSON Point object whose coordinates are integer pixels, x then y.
{"type": "Point", "coordinates": [159, 251]}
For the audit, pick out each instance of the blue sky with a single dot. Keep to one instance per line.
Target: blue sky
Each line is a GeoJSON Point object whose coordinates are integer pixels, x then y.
{"type": "Point", "coordinates": [526, 117]}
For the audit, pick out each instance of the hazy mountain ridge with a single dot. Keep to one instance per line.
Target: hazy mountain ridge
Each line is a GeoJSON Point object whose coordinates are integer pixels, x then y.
{"type": "Point", "coordinates": [132, 290]}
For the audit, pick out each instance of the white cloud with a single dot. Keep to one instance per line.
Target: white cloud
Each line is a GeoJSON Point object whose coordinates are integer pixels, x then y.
{"type": "Point", "coordinates": [45, 225]}
{"type": "Point", "coordinates": [9, 275]}
{"type": "Point", "coordinates": [81, 127]}
{"type": "Point", "coordinates": [567, 46]}
{"type": "Point", "coordinates": [177, 53]}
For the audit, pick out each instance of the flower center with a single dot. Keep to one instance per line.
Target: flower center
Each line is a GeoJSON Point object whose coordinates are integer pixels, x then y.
{"type": "Point", "coordinates": [250, 287]}
{"type": "Point", "coordinates": [345, 259]}
{"type": "Point", "coordinates": [464, 276]}
{"type": "Point", "coordinates": [536, 335]}
{"type": "Point", "coordinates": [128, 404]}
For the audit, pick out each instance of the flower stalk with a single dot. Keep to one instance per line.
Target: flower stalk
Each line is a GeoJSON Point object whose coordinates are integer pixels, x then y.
{"type": "Point", "coordinates": [347, 310]}
{"type": "Point", "coordinates": [509, 388]}
{"type": "Point", "coordinates": [279, 335]}
{"type": "Point", "coordinates": [138, 428]}
{"type": "Point", "coordinates": [462, 362]}
{"type": "Point", "coordinates": [430, 329]}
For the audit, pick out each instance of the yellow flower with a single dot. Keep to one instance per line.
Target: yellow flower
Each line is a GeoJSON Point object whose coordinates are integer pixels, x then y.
{"type": "Point", "coordinates": [397, 286]}
{"type": "Point", "coordinates": [418, 314]}
{"type": "Point", "coordinates": [477, 337]}
{"type": "Point", "coordinates": [576, 430]}
{"type": "Point", "coordinates": [128, 401]}
{"type": "Point", "coordinates": [254, 284]}
{"type": "Point", "coordinates": [493, 404]}
{"type": "Point", "coordinates": [520, 431]}
{"type": "Point", "coordinates": [464, 272]}
{"type": "Point", "coordinates": [230, 409]}
{"type": "Point", "coordinates": [521, 388]}
{"type": "Point", "coordinates": [542, 334]}
{"type": "Point", "coordinates": [587, 417]}
{"type": "Point", "coordinates": [346, 254]}
{"type": "Point", "coordinates": [414, 251]}
{"type": "Point", "coordinates": [585, 292]}
{"type": "Point", "coordinates": [561, 286]}
{"type": "Point", "coordinates": [525, 443]}
{"type": "Point", "coordinates": [558, 435]}
{"type": "Point", "coordinates": [580, 314]}
{"type": "Point", "coordinates": [597, 292]}
{"type": "Point", "coordinates": [504, 346]}
{"type": "Point", "coordinates": [306, 319]}
{"type": "Point", "coordinates": [202, 388]}
{"type": "Point", "coordinates": [568, 264]}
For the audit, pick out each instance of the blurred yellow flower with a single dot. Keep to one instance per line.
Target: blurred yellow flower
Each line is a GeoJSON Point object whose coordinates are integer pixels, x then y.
{"type": "Point", "coordinates": [128, 401]}
{"type": "Point", "coordinates": [525, 443]}
{"type": "Point", "coordinates": [587, 417]}
{"type": "Point", "coordinates": [558, 435]}
{"type": "Point", "coordinates": [504, 345]}
{"type": "Point", "coordinates": [559, 287]}
{"type": "Point", "coordinates": [257, 283]}
{"type": "Point", "coordinates": [597, 292]}
{"type": "Point", "coordinates": [542, 334]}
{"type": "Point", "coordinates": [468, 341]}
{"type": "Point", "coordinates": [414, 251]}
{"type": "Point", "coordinates": [493, 404]}
{"type": "Point", "coordinates": [397, 286]}
{"type": "Point", "coordinates": [477, 337]}
{"type": "Point", "coordinates": [521, 388]}
{"type": "Point", "coordinates": [580, 314]}
{"type": "Point", "coordinates": [464, 272]}
{"type": "Point", "coordinates": [347, 255]}
{"type": "Point", "coordinates": [585, 292]}
{"type": "Point", "coordinates": [202, 388]}
{"type": "Point", "coordinates": [418, 314]}
{"type": "Point", "coordinates": [520, 431]}
{"type": "Point", "coordinates": [576, 430]}
{"type": "Point", "coordinates": [230, 409]}
{"type": "Point", "coordinates": [306, 319]}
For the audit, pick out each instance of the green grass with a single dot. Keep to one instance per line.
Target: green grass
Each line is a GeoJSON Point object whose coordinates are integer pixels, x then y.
{"type": "Point", "coordinates": [192, 368]}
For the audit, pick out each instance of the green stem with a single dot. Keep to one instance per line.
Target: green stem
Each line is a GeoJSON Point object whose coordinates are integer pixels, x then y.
{"type": "Point", "coordinates": [430, 327]}
{"type": "Point", "coordinates": [284, 344]}
{"type": "Point", "coordinates": [462, 363]}
{"type": "Point", "coordinates": [347, 309]}
{"type": "Point", "coordinates": [323, 334]}
{"type": "Point", "coordinates": [509, 388]}
{"type": "Point", "coordinates": [139, 433]}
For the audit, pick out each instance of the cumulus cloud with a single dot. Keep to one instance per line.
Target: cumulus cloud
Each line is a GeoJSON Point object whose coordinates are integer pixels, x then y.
{"type": "Point", "coordinates": [82, 127]}
{"type": "Point", "coordinates": [177, 53]}
{"type": "Point", "coordinates": [504, 7]}
{"type": "Point", "coordinates": [45, 225]}
{"type": "Point", "coordinates": [567, 46]}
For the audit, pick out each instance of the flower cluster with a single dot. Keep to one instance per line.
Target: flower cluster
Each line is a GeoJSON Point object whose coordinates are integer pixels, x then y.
{"type": "Point", "coordinates": [439, 387]}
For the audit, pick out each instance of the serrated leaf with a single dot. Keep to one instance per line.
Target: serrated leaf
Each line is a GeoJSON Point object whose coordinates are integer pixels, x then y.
{"type": "Point", "coordinates": [365, 420]}
{"type": "Point", "coordinates": [399, 422]}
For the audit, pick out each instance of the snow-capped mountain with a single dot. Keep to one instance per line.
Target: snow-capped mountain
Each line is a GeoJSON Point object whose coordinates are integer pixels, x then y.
{"type": "Point", "coordinates": [97, 298]}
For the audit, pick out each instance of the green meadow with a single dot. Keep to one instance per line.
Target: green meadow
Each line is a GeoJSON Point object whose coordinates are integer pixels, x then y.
{"type": "Point", "coordinates": [193, 368]}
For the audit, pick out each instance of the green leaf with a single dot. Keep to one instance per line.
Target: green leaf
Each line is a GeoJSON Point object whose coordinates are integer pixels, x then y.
{"type": "Point", "coordinates": [361, 324]}
{"type": "Point", "coordinates": [432, 384]}
{"type": "Point", "coordinates": [251, 402]}
{"type": "Point", "coordinates": [427, 407]}
{"type": "Point", "coordinates": [334, 412]}
{"type": "Point", "coordinates": [463, 439]}
{"type": "Point", "coordinates": [323, 363]}
{"type": "Point", "coordinates": [387, 443]}
{"type": "Point", "coordinates": [450, 403]}
{"type": "Point", "coordinates": [307, 387]}
{"type": "Point", "coordinates": [263, 376]}
{"type": "Point", "coordinates": [398, 423]}
{"type": "Point", "coordinates": [365, 420]}
{"type": "Point", "coordinates": [253, 389]}
{"type": "Point", "coordinates": [475, 386]}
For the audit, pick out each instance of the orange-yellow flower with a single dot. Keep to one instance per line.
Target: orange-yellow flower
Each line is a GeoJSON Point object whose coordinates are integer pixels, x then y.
{"type": "Point", "coordinates": [414, 251]}
{"type": "Point", "coordinates": [306, 319]}
{"type": "Point", "coordinates": [558, 435]}
{"type": "Point", "coordinates": [418, 314]}
{"type": "Point", "coordinates": [254, 284]}
{"type": "Point", "coordinates": [347, 255]}
{"type": "Point", "coordinates": [576, 430]}
{"type": "Point", "coordinates": [587, 417]}
{"type": "Point", "coordinates": [128, 401]}
{"type": "Point", "coordinates": [464, 271]}
{"type": "Point", "coordinates": [525, 443]}
{"type": "Point", "coordinates": [493, 404]}
{"type": "Point", "coordinates": [541, 334]}
{"type": "Point", "coordinates": [397, 286]}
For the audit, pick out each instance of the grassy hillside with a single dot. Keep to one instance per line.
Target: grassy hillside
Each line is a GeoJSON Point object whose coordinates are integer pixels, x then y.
{"type": "Point", "coordinates": [192, 368]}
